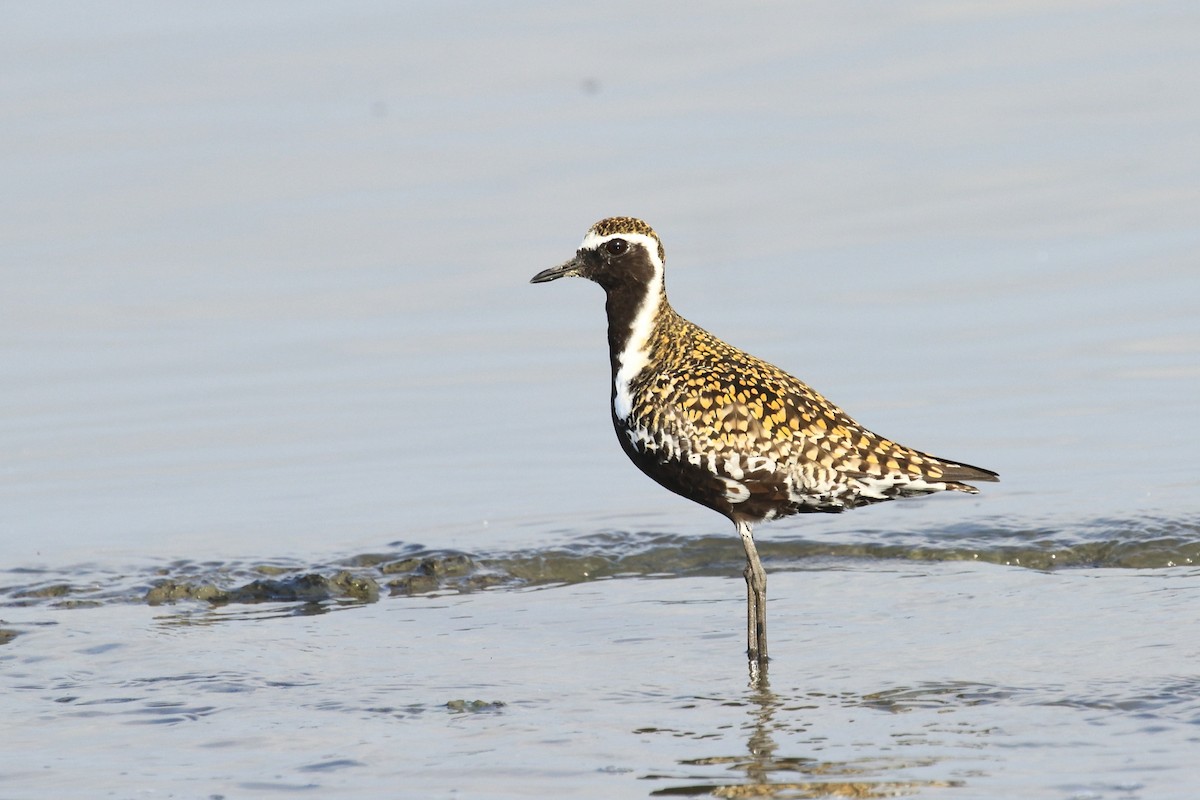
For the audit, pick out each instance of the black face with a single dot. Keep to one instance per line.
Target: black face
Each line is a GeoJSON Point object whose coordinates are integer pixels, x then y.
{"type": "Point", "coordinates": [616, 264]}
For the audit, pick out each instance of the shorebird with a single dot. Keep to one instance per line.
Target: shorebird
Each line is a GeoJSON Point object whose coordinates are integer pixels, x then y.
{"type": "Point", "coordinates": [730, 431]}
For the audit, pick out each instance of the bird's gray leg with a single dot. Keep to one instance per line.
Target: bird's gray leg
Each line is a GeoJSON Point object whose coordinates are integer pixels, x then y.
{"type": "Point", "coordinates": [756, 597]}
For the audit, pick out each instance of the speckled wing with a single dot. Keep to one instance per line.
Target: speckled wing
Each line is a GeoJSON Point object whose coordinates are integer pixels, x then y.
{"type": "Point", "coordinates": [737, 426]}
{"type": "Point", "coordinates": [710, 405]}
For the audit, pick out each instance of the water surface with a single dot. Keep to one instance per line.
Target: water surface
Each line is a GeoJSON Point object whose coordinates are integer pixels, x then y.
{"type": "Point", "coordinates": [306, 490]}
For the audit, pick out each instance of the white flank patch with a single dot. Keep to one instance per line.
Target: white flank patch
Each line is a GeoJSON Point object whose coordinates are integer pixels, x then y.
{"type": "Point", "coordinates": [734, 468]}
{"type": "Point", "coordinates": [888, 486]}
{"type": "Point", "coordinates": [634, 357]}
{"type": "Point", "coordinates": [640, 438]}
{"type": "Point", "coordinates": [735, 491]}
{"type": "Point", "coordinates": [760, 464]}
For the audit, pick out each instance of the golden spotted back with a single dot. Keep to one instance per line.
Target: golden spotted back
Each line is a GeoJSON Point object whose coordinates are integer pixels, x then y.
{"type": "Point", "coordinates": [704, 401]}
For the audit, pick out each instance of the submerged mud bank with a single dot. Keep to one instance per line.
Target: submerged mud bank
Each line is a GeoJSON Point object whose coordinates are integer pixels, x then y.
{"type": "Point", "coordinates": [410, 569]}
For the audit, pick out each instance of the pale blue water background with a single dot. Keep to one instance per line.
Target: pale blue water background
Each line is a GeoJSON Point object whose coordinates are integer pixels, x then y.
{"type": "Point", "coordinates": [265, 300]}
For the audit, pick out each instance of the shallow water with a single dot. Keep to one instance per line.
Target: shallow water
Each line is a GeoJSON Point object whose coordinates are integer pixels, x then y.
{"type": "Point", "coordinates": [305, 489]}
{"type": "Point", "coordinates": [952, 679]}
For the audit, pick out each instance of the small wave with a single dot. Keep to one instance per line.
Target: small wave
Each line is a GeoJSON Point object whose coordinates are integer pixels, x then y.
{"type": "Point", "coordinates": [410, 569]}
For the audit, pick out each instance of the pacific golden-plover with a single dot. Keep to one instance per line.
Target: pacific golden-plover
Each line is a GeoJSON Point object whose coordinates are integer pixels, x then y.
{"type": "Point", "coordinates": [726, 429]}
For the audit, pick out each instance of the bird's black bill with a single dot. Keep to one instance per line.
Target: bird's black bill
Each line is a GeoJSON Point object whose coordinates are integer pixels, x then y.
{"type": "Point", "coordinates": [554, 273]}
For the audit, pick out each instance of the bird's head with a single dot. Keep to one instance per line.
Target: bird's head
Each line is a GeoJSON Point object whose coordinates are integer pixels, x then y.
{"type": "Point", "coordinates": [616, 252]}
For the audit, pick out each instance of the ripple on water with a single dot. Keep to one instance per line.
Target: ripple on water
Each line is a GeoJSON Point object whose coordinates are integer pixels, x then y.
{"type": "Point", "coordinates": [410, 569]}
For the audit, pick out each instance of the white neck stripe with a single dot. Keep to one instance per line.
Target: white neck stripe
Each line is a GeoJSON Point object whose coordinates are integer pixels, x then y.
{"type": "Point", "coordinates": [634, 357]}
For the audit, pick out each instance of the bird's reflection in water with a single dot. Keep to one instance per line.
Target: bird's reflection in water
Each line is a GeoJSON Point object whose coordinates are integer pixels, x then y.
{"type": "Point", "coordinates": [763, 772]}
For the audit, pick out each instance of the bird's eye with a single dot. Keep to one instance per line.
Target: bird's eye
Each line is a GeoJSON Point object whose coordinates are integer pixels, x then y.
{"type": "Point", "coordinates": [616, 246]}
